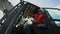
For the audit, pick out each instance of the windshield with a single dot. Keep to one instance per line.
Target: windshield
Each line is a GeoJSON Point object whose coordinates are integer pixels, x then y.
{"type": "Point", "coordinates": [55, 14]}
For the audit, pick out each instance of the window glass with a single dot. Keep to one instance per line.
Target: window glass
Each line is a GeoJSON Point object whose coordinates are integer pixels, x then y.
{"type": "Point", "coordinates": [55, 14]}
{"type": "Point", "coordinates": [14, 2]}
{"type": "Point", "coordinates": [57, 23]}
{"type": "Point", "coordinates": [1, 14]}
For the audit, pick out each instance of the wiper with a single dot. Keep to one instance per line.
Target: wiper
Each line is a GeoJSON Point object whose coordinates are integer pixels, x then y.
{"type": "Point", "coordinates": [52, 8]}
{"type": "Point", "coordinates": [55, 19]}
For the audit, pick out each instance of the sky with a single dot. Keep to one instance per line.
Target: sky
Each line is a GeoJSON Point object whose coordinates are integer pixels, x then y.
{"type": "Point", "coordinates": [45, 3]}
{"type": "Point", "coordinates": [40, 3]}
